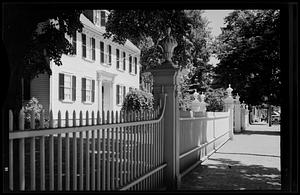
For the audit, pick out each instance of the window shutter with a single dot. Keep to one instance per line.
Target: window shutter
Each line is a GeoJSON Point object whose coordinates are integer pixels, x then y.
{"type": "Point", "coordinates": [61, 86]}
{"type": "Point", "coordinates": [118, 58]}
{"type": "Point", "coordinates": [124, 92]}
{"type": "Point", "coordinates": [83, 45]}
{"type": "Point", "coordinates": [130, 64]}
{"type": "Point", "coordinates": [74, 43]}
{"type": "Point", "coordinates": [124, 61]}
{"type": "Point", "coordinates": [109, 54]}
{"type": "Point", "coordinates": [73, 88]}
{"type": "Point", "coordinates": [102, 18]}
{"type": "Point", "coordinates": [83, 92]}
{"type": "Point", "coordinates": [93, 90]}
{"type": "Point", "coordinates": [118, 95]}
{"type": "Point", "coordinates": [93, 49]}
{"type": "Point", "coordinates": [101, 52]}
{"type": "Point", "coordinates": [135, 65]}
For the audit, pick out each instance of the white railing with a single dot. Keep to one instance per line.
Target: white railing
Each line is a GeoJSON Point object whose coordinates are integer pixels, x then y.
{"type": "Point", "coordinates": [114, 151]}
{"type": "Point", "coordinates": [200, 137]}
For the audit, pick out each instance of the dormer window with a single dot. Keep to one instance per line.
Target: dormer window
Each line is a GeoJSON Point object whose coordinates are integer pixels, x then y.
{"type": "Point", "coordinates": [103, 18]}
{"type": "Point", "coordinates": [97, 17]}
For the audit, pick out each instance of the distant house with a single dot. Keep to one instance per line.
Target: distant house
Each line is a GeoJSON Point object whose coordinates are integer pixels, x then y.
{"type": "Point", "coordinates": [96, 77]}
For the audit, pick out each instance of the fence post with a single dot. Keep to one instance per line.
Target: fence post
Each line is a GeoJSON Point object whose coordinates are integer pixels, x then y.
{"type": "Point", "coordinates": [165, 78]}
{"type": "Point", "coordinates": [237, 114]}
{"type": "Point", "coordinates": [229, 104]}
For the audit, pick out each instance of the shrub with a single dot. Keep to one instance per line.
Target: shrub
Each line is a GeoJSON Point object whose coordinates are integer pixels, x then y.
{"type": "Point", "coordinates": [32, 104]}
{"type": "Point", "coordinates": [137, 100]}
{"type": "Point", "coordinates": [214, 99]}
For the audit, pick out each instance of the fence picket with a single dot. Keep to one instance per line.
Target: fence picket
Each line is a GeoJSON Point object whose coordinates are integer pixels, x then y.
{"type": "Point", "coordinates": [108, 152]}
{"type": "Point", "coordinates": [59, 163]}
{"type": "Point", "coordinates": [11, 149]}
{"type": "Point", "coordinates": [98, 153]}
{"type": "Point", "coordinates": [42, 152]}
{"type": "Point", "coordinates": [67, 155]}
{"type": "Point", "coordinates": [93, 155]}
{"type": "Point", "coordinates": [32, 152]}
{"type": "Point", "coordinates": [87, 153]}
{"type": "Point", "coordinates": [80, 154]}
{"type": "Point", "coordinates": [74, 154]}
{"type": "Point", "coordinates": [117, 153]}
{"type": "Point", "coordinates": [51, 154]}
{"type": "Point", "coordinates": [135, 146]}
{"type": "Point", "coordinates": [121, 150]}
{"type": "Point", "coordinates": [103, 154]}
{"type": "Point", "coordinates": [131, 147]}
{"type": "Point", "coordinates": [128, 148]}
{"type": "Point", "coordinates": [125, 149]}
{"type": "Point", "coordinates": [113, 153]}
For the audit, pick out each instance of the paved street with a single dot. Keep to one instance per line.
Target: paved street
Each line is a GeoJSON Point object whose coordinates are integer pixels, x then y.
{"type": "Point", "coordinates": [250, 162]}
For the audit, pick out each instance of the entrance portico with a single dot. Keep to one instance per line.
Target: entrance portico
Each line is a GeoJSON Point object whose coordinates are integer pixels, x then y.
{"type": "Point", "coordinates": [105, 81]}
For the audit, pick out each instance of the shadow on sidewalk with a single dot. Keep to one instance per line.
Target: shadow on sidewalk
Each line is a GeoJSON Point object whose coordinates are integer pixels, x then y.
{"type": "Point", "coordinates": [226, 174]}
{"type": "Point", "coordinates": [250, 132]}
{"type": "Point", "coordinates": [247, 154]}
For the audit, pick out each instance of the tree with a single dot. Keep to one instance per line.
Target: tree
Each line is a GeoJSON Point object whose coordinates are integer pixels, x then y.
{"type": "Point", "coordinates": [248, 50]}
{"type": "Point", "coordinates": [145, 28]}
{"type": "Point", "coordinates": [29, 51]}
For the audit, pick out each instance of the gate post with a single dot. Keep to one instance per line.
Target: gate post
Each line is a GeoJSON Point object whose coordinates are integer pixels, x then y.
{"type": "Point", "coordinates": [165, 81]}
{"type": "Point", "coordinates": [229, 104]}
{"type": "Point", "coordinates": [237, 114]}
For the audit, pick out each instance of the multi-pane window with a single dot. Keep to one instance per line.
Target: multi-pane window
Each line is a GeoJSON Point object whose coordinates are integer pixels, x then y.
{"type": "Point", "coordinates": [88, 90]}
{"type": "Point", "coordinates": [97, 17]}
{"type": "Point", "coordinates": [83, 39]}
{"type": "Point", "coordinates": [130, 63]}
{"type": "Point", "coordinates": [90, 53]}
{"type": "Point", "coordinates": [118, 58]}
{"type": "Point", "coordinates": [67, 87]}
{"type": "Point", "coordinates": [124, 61]}
{"type": "Point", "coordinates": [121, 92]}
{"type": "Point", "coordinates": [103, 18]}
{"type": "Point", "coordinates": [92, 49]}
{"type": "Point", "coordinates": [101, 52]}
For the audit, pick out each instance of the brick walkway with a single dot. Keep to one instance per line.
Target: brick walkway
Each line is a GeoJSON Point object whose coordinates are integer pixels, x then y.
{"type": "Point", "coordinates": [249, 162]}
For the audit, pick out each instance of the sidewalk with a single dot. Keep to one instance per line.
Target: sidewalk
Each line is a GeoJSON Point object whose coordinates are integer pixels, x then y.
{"type": "Point", "coordinates": [251, 161]}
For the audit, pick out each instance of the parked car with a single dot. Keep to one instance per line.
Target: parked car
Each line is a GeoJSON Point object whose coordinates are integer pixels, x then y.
{"type": "Point", "coordinates": [275, 117]}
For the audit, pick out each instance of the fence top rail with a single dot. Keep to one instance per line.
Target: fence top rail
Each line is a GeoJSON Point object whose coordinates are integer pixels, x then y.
{"type": "Point", "coordinates": [18, 134]}
{"type": "Point", "coordinates": [204, 118]}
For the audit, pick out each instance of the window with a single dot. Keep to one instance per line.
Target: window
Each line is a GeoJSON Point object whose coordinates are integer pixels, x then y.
{"type": "Point", "coordinates": [108, 55]}
{"type": "Point", "coordinates": [88, 90]}
{"type": "Point", "coordinates": [67, 87]}
{"type": "Point", "coordinates": [101, 52]}
{"type": "Point", "coordinates": [83, 37]}
{"type": "Point", "coordinates": [121, 92]}
{"type": "Point", "coordinates": [124, 61]}
{"type": "Point", "coordinates": [97, 17]}
{"type": "Point", "coordinates": [118, 58]}
{"type": "Point", "coordinates": [130, 63]}
{"type": "Point", "coordinates": [135, 65]}
{"type": "Point", "coordinates": [92, 49]}
{"type": "Point", "coordinates": [103, 18]}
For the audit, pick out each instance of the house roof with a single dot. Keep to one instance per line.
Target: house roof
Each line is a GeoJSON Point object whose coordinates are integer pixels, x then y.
{"type": "Point", "coordinates": [86, 22]}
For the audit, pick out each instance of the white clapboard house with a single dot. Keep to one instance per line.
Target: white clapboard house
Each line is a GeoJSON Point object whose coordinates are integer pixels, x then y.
{"type": "Point", "coordinates": [96, 78]}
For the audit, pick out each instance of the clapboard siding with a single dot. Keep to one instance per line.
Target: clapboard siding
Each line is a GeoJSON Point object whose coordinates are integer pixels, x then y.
{"type": "Point", "coordinates": [39, 88]}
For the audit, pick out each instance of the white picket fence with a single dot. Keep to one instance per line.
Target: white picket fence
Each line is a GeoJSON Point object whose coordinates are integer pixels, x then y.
{"type": "Point", "coordinates": [110, 151]}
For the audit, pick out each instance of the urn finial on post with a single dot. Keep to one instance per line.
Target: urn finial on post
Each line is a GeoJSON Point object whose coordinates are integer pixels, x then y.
{"type": "Point", "coordinates": [168, 45]}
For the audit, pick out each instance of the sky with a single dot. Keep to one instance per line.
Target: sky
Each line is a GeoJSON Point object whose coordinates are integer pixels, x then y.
{"type": "Point", "coordinates": [216, 21]}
